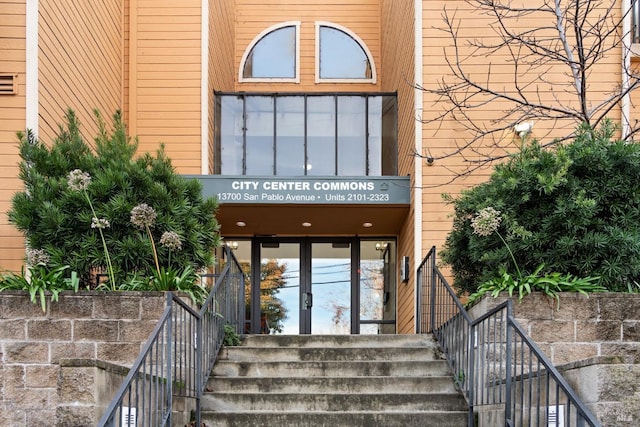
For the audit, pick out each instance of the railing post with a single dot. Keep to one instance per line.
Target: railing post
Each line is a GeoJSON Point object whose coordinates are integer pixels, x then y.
{"type": "Point", "coordinates": [508, 365]}
{"type": "Point", "coordinates": [471, 372]}
{"type": "Point", "coordinates": [199, 370]}
{"type": "Point", "coordinates": [432, 273]}
{"type": "Point", "coordinates": [170, 358]}
{"type": "Point", "coordinates": [419, 309]}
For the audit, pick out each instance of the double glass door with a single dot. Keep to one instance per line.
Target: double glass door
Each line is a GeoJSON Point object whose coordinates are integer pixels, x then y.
{"type": "Point", "coordinates": [321, 286]}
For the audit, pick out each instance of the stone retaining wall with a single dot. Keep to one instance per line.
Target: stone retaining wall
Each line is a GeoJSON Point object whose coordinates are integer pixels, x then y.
{"type": "Point", "coordinates": [593, 341]}
{"type": "Point", "coordinates": [105, 327]}
{"type": "Point", "coordinates": [581, 327]}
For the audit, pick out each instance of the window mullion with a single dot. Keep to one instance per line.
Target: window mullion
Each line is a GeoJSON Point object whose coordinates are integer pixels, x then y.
{"type": "Point", "coordinates": [275, 136]}
{"type": "Point", "coordinates": [306, 136]}
{"type": "Point", "coordinates": [335, 120]}
{"type": "Point", "coordinates": [366, 133]}
{"type": "Point", "coordinates": [244, 135]}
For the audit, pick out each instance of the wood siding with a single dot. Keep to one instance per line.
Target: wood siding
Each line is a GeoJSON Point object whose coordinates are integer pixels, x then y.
{"type": "Point", "coordinates": [396, 75]}
{"type": "Point", "coordinates": [222, 68]}
{"type": "Point", "coordinates": [12, 119]}
{"type": "Point", "coordinates": [362, 17]}
{"type": "Point", "coordinates": [164, 72]}
{"type": "Point", "coordinates": [446, 136]}
{"type": "Point", "coordinates": [80, 62]}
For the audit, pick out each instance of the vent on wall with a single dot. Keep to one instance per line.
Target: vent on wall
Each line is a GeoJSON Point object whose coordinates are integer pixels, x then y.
{"type": "Point", "coordinates": [8, 84]}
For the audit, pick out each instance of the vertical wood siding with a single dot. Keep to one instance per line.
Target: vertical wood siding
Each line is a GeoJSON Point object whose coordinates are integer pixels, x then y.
{"type": "Point", "coordinates": [222, 70]}
{"type": "Point", "coordinates": [12, 119]}
{"type": "Point", "coordinates": [396, 74]}
{"type": "Point", "coordinates": [164, 78]}
{"type": "Point", "coordinates": [80, 62]}
{"type": "Point", "coordinates": [360, 16]}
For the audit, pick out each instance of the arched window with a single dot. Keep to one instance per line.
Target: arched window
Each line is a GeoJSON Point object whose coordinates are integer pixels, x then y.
{"type": "Point", "coordinates": [341, 56]}
{"type": "Point", "coordinates": [273, 55]}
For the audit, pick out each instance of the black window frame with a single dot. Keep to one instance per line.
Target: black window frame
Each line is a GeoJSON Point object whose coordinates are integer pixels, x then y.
{"type": "Point", "coordinates": [388, 167]}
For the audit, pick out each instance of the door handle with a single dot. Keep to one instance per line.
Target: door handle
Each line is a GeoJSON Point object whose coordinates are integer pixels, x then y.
{"type": "Point", "coordinates": [307, 300]}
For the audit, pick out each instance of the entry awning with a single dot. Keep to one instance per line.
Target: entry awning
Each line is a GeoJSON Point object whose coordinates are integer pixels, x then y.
{"type": "Point", "coordinates": [251, 205]}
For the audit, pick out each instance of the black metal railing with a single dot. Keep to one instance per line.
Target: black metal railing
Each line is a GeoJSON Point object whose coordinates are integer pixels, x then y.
{"type": "Point", "coordinates": [178, 357]}
{"type": "Point", "coordinates": [504, 376]}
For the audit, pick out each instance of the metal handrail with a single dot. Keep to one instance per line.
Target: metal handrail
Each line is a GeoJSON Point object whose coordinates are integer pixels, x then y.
{"type": "Point", "coordinates": [495, 363]}
{"type": "Point", "coordinates": [178, 357]}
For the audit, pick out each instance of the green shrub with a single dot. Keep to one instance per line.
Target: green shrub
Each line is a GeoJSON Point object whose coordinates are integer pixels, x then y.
{"type": "Point", "coordinates": [89, 227]}
{"type": "Point", "coordinates": [231, 338]}
{"type": "Point", "coordinates": [575, 209]}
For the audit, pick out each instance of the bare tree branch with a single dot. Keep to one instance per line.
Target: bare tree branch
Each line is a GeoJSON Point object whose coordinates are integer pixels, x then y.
{"type": "Point", "coordinates": [552, 69]}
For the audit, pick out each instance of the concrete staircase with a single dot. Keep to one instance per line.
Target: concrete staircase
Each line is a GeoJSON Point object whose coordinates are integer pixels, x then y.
{"type": "Point", "coordinates": [311, 380]}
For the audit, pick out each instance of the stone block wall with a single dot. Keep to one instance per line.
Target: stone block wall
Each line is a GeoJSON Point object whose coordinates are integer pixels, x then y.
{"type": "Point", "coordinates": [609, 387]}
{"type": "Point", "coordinates": [579, 327]}
{"type": "Point", "coordinates": [98, 326]}
{"type": "Point", "coordinates": [593, 341]}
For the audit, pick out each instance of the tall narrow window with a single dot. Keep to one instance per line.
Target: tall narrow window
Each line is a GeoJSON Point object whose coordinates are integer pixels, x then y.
{"type": "Point", "coordinates": [273, 55]}
{"type": "Point", "coordinates": [290, 132]}
{"type": "Point", "coordinates": [231, 128]}
{"type": "Point", "coordinates": [321, 136]}
{"type": "Point", "coordinates": [342, 56]}
{"type": "Point", "coordinates": [352, 138]}
{"type": "Point", "coordinates": [260, 142]}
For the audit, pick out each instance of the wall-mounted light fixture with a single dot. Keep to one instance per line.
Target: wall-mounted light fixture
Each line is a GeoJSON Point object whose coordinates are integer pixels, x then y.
{"type": "Point", "coordinates": [523, 129]}
{"type": "Point", "coordinates": [381, 246]}
{"type": "Point", "coordinates": [232, 245]}
{"type": "Point", "coordinates": [404, 269]}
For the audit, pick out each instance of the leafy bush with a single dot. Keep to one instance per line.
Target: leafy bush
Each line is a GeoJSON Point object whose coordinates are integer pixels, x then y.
{"type": "Point", "coordinates": [39, 281]}
{"type": "Point", "coordinates": [90, 227]}
{"type": "Point", "coordinates": [574, 209]}
{"type": "Point", "coordinates": [231, 338]}
{"type": "Point", "coordinates": [169, 279]}
{"type": "Point", "coordinates": [550, 284]}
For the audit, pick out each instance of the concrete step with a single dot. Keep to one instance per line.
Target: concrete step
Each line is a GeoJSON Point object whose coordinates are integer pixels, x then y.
{"type": "Point", "coordinates": [227, 368]}
{"type": "Point", "coordinates": [380, 384]}
{"type": "Point", "coordinates": [341, 402]}
{"type": "Point", "coordinates": [246, 353]}
{"type": "Point", "coordinates": [345, 380]}
{"type": "Point", "coordinates": [325, 341]}
{"type": "Point", "coordinates": [336, 419]}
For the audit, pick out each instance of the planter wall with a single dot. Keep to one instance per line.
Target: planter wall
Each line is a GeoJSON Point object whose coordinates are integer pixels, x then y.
{"type": "Point", "coordinates": [604, 324]}
{"type": "Point", "coordinates": [595, 344]}
{"type": "Point", "coordinates": [90, 326]}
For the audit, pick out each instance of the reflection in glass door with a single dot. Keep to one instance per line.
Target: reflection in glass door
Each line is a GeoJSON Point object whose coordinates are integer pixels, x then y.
{"type": "Point", "coordinates": [320, 286]}
{"type": "Point", "coordinates": [376, 287]}
{"type": "Point", "coordinates": [279, 279]}
{"type": "Point", "coordinates": [330, 288]}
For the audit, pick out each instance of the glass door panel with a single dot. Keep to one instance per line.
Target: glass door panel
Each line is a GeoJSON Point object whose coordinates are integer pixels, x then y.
{"type": "Point", "coordinates": [331, 288]}
{"type": "Point", "coordinates": [280, 288]}
{"type": "Point", "coordinates": [377, 290]}
{"type": "Point", "coordinates": [309, 286]}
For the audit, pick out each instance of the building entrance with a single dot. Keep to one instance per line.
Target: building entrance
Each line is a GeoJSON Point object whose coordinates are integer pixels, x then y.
{"type": "Point", "coordinates": [322, 286]}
